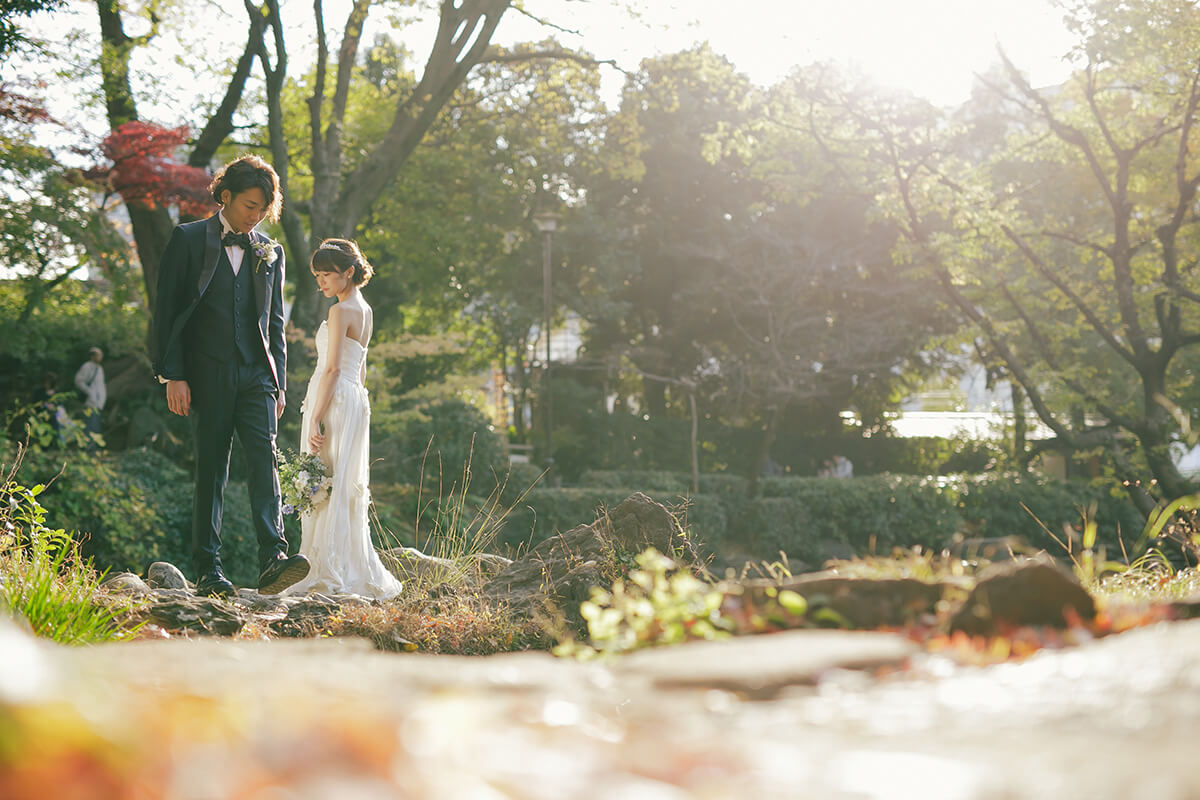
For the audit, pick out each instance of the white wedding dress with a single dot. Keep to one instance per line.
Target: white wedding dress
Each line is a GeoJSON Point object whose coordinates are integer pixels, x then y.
{"type": "Point", "coordinates": [336, 536]}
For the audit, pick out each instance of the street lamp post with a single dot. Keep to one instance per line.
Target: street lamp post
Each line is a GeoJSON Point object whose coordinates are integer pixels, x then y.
{"type": "Point", "coordinates": [547, 223]}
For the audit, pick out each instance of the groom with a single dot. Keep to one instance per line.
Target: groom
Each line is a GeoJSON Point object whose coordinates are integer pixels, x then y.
{"type": "Point", "coordinates": [219, 348]}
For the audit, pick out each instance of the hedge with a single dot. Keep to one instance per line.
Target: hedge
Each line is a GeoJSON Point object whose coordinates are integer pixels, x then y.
{"type": "Point", "coordinates": [811, 518]}
{"type": "Point", "coordinates": [134, 507]}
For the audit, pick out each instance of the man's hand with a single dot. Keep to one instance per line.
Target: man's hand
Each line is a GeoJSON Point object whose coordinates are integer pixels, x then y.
{"type": "Point", "coordinates": [280, 402]}
{"type": "Point", "coordinates": [179, 397]}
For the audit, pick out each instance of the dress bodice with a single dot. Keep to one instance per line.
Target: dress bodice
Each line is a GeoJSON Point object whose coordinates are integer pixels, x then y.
{"type": "Point", "coordinates": [353, 355]}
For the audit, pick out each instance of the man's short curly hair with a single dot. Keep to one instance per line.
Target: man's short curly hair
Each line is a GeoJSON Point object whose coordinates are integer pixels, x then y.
{"type": "Point", "coordinates": [249, 172]}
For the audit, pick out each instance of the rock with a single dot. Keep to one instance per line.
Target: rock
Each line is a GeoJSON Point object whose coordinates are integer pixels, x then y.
{"type": "Point", "coordinates": [146, 427]}
{"type": "Point", "coordinates": [840, 601]}
{"type": "Point", "coordinates": [306, 616]}
{"type": "Point", "coordinates": [559, 572]}
{"type": "Point", "coordinates": [163, 575]}
{"type": "Point", "coordinates": [760, 666]}
{"type": "Point", "coordinates": [1187, 608]}
{"type": "Point", "coordinates": [125, 583]}
{"type": "Point", "coordinates": [198, 614]}
{"type": "Point", "coordinates": [1028, 591]}
{"type": "Point", "coordinates": [490, 564]}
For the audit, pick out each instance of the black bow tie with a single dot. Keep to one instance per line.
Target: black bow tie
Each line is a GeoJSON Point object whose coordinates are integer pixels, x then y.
{"type": "Point", "coordinates": [234, 239]}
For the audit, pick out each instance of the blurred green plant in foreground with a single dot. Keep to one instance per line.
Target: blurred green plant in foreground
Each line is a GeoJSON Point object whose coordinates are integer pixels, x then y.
{"type": "Point", "coordinates": [45, 581]}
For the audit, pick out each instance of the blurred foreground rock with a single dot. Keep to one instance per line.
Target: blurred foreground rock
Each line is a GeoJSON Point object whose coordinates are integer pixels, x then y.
{"type": "Point", "coordinates": [211, 718]}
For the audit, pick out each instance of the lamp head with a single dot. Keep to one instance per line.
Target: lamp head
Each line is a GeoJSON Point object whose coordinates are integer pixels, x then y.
{"type": "Point", "coordinates": [546, 221]}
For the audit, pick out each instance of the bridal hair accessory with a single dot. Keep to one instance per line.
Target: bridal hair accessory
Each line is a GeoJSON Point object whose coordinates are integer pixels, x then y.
{"type": "Point", "coordinates": [329, 246]}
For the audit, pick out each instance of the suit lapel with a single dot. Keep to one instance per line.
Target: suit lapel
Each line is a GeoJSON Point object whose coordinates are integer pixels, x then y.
{"type": "Point", "coordinates": [258, 276]}
{"type": "Point", "coordinates": [212, 253]}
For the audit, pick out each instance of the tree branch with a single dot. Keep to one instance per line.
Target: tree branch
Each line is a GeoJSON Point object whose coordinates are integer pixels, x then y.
{"type": "Point", "coordinates": [220, 124]}
{"type": "Point", "coordinates": [1049, 274]}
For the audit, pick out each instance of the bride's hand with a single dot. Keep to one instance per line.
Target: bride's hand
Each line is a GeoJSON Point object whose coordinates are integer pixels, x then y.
{"type": "Point", "coordinates": [316, 440]}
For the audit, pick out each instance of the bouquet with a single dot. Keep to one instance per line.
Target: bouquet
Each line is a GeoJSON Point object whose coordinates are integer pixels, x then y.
{"type": "Point", "coordinates": [305, 481]}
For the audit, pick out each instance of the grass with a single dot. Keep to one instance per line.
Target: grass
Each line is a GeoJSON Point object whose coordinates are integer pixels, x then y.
{"type": "Point", "coordinates": [45, 581]}
{"type": "Point", "coordinates": [454, 528]}
{"type": "Point", "coordinates": [460, 625]}
{"type": "Point", "coordinates": [441, 609]}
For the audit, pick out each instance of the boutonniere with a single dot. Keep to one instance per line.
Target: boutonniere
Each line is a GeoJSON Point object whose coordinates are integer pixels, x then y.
{"type": "Point", "coordinates": [264, 252]}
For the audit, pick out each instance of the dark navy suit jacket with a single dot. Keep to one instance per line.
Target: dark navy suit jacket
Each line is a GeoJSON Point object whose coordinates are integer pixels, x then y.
{"type": "Point", "coordinates": [184, 274]}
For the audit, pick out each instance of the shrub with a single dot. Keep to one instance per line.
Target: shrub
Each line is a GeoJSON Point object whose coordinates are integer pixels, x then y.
{"type": "Point", "coordinates": [135, 507]}
{"type": "Point", "coordinates": [992, 505]}
{"type": "Point", "coordinates": [658, 604]}
{"type": "Point", "coordinates": [646, 480]}
{"type": "Point", "coordinates": [435, 450]}
{"type": "Point", "coordinates": [43, 577]}
{"type": "Point", "coordinates": [802, 517]}
{"type": "Point", "coordinates": [545, 512]}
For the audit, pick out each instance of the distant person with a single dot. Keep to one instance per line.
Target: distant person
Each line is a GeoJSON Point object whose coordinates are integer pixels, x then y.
{"type": "Point", "coordinates": [826, 470]}
{"type": "Point", "coordinates": [89, 380]}
{"type": "Point", "coordinates": [842, 468]}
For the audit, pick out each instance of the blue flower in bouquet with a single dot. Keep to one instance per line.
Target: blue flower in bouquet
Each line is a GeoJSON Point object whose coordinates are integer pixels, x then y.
{"type": "Point", "coordinates": [305, 481]}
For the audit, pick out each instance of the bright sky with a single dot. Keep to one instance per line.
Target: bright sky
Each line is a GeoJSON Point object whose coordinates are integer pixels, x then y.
{"type": "Point", "coordinates": [931, 47]}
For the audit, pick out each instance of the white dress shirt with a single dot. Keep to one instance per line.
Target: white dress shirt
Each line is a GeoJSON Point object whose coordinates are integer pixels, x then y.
{"type": "Point", "coordinates": [235, 252]}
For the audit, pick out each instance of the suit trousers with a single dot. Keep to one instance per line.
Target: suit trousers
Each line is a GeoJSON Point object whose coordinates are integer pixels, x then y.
{"type": "Point", "coordinates": [227, 397]}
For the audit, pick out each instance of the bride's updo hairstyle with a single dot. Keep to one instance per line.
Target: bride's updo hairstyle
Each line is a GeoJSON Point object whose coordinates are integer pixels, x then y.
{"type": "Point", "coordinates": [339, 255]}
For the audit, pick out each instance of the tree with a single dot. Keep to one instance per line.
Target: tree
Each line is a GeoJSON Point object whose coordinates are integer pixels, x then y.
{"type": "Point", "coordinates": [11, 36]}
{"type": "Point", "coordinates": [50, 227]}
{"type": "Point", "coordinates": [453, 233]}
{"type": "Point", "coordinates": [670, 219]}
{"type": "Point", "coordinates": [148, 216]}
{"type": "Point", "coordinates": [344, 189]}
{"type": "Point", "coordinates": [1061, 224]}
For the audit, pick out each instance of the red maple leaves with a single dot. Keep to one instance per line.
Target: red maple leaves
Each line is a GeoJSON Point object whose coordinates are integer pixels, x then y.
{"type": "Point", "coordinates": [21, 108]}
{"type": "Point", "coordinates": [144, 169]}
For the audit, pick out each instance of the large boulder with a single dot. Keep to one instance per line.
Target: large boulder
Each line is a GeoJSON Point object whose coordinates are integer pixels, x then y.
{"type": "Point", "coordinates": [558, 574]}
{"type": "Point", "coordinates": [1027, 591]}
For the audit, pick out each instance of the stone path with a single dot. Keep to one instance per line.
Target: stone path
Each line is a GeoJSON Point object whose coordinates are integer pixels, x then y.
{"type": "Point", "coordinates": [790, 715]}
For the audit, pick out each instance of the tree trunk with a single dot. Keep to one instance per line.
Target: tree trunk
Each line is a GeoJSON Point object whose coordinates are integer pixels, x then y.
{"type": "Point", "coordinates": [340, 201]}
{"type": "Point", "coordinates": [1155, 439]}
{"type": "Point", "coordinates": [151, 225]}
{"type": "Point", "coordinates": [1019, 425]}
{"type": "Point", "coordinates": [695, 448]}
{"type": "Point", "coordinates": [655, 393]}
{"type": "Point", "coordinates": [770, 429]}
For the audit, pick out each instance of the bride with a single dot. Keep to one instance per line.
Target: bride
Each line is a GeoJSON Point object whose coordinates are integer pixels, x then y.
{"type": "Point", "coordinates": [336, 424]}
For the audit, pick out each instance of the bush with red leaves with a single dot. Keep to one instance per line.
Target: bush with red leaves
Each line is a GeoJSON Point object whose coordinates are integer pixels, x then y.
{"type": "Point", "coordinates": [144, 169]}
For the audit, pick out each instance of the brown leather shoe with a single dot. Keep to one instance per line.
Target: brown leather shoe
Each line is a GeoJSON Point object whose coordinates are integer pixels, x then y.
{"type": "Point", "coordinates": [282, 573]}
